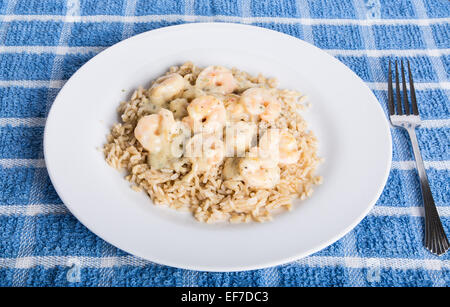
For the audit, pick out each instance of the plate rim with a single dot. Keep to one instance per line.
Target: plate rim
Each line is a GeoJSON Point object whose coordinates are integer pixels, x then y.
{"type": "Point", "coordinates": [207, 268]}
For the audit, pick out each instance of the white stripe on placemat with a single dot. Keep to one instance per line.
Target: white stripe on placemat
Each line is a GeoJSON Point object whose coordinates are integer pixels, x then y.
{"type": "Point", "coordinates": [25, 121]}
{"type": "Point", "coordinates": [311, 261]}
{"type": "Point", "coordinates": [389, 52]}
{"type": "Point", "coordinates": [409, 165]}
{"type": "Point", "coordinates": [304, 9]}
{"type": "Point", "coordinates": [130, 8]}
{"type": "Point", "coordinates": [240, 19]}
{"type": "Point", "coordinates": [334, 52]}
{"type": "Point", "coordinates": [10, 163]}
{"type": "Point", "coordinates": [361, 262]}
{"type": "Point", "coordinates": [435, 123]}
{"type": "Point", "coordinates": [35, 209]}
{"type": "Point", "coordinates": [43, 209]}
{"type": "Point", "coordinates": [357, 278]}
{"type": "Point", "coordinates": [51, 49]}
{"type": "Point", "coordinates": [57, 73]}
{"type": "Point", "coordinates": [57, 84]}
{"type": "Point", "coordinates": [417, 85]}
{"type": "Point", "coordinates": [444, 211]}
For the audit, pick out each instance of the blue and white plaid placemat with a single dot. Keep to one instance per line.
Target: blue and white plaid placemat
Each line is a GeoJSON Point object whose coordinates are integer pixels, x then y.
{"type": "Point", "coordinates": [43, 42]}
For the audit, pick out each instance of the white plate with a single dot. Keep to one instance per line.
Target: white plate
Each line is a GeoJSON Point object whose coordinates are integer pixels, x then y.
{"type": "Point", "coordinates": [345, 115]}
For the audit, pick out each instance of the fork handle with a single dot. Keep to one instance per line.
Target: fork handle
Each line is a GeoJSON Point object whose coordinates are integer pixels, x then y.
{"type": "Point", "coordinates": [435, 238]}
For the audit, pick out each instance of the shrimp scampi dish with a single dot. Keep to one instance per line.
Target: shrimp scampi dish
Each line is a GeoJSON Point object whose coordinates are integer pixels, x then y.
{"type": "Point", "coordinates": [217, 142]}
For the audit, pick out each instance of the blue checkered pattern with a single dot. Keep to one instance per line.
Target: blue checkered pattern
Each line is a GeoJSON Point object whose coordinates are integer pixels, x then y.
{"type": "Point", "coordinates": [43, 42]}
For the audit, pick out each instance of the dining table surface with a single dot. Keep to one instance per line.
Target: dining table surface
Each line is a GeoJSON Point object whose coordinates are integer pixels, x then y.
{"type": "Point", "coordinates": [43, 43]}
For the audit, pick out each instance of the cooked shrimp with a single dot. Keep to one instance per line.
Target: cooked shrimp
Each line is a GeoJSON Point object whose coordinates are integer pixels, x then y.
{"type": "Point", "coordinates": [230, 99]}
{"type": "Point", "coordinates": [262, 103]}
{"type": "Point", "coordinates": [206, 114]}
{"type": "Point", "coordinates": [205, 151]}
{"type": "Point", "coordinates": [259, 168]}
{"type": "Point", "coordinates": [268, 146]}
{"type": "Point", "coordinates": [216, 79]}
{"type": "Point", "coordinates": [167, 88]}
{"type": "Point", "coordinates": [254, 171]}
{"type": "Point", "coordinates": [259, 173]}
{"type": "Point", "coordinates": [288, 149]}
{"type": "Point", "coordinates": [239, 137]}
{"type": "Point", "coordinates": [278, 146]}
{"type": "Point", "coordinates": [235, 109]}
{"type": "Point", "coordinates": [152, 130]}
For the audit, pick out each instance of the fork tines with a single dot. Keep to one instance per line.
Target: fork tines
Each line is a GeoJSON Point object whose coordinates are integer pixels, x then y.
{"type": "Point", "coordinates": [402, 107]}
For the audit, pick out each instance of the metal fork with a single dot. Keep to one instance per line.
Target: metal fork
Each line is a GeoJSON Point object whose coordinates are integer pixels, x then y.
{"type": "Point", "coordinates": [401, 116]}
